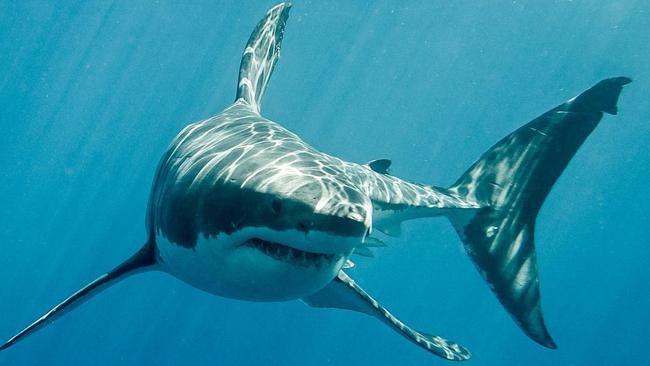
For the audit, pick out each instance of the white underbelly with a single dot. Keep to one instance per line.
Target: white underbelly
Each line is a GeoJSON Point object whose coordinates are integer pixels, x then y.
{"type": "Point", "coordinates": [224, 267]}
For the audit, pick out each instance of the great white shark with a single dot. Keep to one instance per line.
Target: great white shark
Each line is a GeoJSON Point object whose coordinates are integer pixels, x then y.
{"type": "Point", "coordinates": [243, 208]}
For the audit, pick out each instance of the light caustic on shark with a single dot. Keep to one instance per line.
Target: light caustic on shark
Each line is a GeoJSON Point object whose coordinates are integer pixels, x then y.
{"type": "Point", "coordinates": [242, 208]}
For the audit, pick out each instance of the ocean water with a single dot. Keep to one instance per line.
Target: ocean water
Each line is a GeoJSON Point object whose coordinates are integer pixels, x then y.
{"type": "Point", "coordinates": [92, 92]}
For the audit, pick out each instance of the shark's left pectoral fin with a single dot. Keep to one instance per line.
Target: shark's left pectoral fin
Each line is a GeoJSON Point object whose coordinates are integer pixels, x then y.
{"type": "Point", "coordinates": [344, 293]}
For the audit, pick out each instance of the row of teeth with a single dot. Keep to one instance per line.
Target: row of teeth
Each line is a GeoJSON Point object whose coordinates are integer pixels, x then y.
{"type": "Point", "coordinates": [288, 254]}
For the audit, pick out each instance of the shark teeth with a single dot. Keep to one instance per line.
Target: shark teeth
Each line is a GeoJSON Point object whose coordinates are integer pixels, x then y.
{"type": "Point", "coordinates": [292, 255]}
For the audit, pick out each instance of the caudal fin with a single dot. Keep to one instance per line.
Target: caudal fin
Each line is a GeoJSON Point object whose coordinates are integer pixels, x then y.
{"type": "Point", "coordinates": [260, 55]}
{"type": "Point", "coordinates": [140, 261]}
{"type": "Point", "coordinates": [511, 181]}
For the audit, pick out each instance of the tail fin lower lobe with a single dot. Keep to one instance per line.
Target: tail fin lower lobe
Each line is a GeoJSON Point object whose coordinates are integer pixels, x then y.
{"type": "Point", "coordinates": [511, 180]}
{"type": "Point", "coordinates": [260, 55]}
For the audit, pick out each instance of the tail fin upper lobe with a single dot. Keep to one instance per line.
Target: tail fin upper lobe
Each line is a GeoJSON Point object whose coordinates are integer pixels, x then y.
{"type": "Point", "coordinates": [511, 180]}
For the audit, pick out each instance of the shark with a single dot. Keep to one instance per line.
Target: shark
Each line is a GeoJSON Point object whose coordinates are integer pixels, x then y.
{"type": "Point", "coordinates": [242, 208]}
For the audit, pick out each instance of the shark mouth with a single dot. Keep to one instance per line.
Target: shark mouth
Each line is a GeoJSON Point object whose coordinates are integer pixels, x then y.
{"type": "Point", "coordinates": [294, 256]}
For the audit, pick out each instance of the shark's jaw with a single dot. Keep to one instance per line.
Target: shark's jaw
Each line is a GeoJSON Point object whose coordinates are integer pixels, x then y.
{"type": "Point", "coordinates": [256, 264]}
{"type": "Point", "coordinates": [289, 254]}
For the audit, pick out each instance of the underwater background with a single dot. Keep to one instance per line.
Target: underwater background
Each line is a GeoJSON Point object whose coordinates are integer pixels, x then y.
{"type": "Point", "coordinates": [92, 92]}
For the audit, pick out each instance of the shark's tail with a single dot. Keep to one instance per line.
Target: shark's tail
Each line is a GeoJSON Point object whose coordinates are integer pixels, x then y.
{"type": "Point", "coordinates": [260, 55]}
{"type": "Point", "coordinates": [141, 261]}
{"type": "Point", "coordinates": [511, 181]}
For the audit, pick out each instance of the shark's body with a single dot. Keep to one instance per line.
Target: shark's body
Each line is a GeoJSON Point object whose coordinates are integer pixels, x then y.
{"type": "Point", "coordinates": [242, 208]}
{"type": "Point", "coordinates": [267, 214]}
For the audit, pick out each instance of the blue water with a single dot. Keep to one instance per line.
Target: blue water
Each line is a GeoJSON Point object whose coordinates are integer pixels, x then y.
{"type": "Point", "coordinates": [91, 93]}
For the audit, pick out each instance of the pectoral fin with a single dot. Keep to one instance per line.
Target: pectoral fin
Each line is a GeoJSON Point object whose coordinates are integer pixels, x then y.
{"type": "Point", "coordinates": [141, 261]}
{"type": "Point", "coordinates": [344, 293]}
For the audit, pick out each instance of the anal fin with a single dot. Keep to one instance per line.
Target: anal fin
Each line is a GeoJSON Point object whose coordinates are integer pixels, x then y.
{"type": "Point", "coordinates": [344, 293]}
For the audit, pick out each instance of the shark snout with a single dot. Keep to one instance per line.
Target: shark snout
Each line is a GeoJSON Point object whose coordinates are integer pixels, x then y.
{"type": "Point", "coordinates": [306, 216]}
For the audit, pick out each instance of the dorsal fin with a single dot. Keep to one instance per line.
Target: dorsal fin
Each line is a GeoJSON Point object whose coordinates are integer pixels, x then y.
{"type": "Point", "coordinates": [381, 166]}
{"type": "Point", "coordinates": [260, 55]}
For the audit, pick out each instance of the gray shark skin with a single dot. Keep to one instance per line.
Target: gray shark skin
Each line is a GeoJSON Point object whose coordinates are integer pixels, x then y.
{"type": "Point", "coordinates": [241, 207]}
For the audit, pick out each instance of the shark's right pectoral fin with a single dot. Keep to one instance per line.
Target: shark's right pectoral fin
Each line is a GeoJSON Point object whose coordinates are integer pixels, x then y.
{"type": "Point", "coordinates": [344, 293]}
{"type": "Point", "coordinates": [141, 261]}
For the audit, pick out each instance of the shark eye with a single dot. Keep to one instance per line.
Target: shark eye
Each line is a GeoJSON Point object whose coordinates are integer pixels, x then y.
{"type": "Point", "coordinates": [303, 227]}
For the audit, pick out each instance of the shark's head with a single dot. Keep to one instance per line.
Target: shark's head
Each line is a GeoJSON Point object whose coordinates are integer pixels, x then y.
{"type": "Point", "coordinates": [320, 215]}
{"type": "Point", "coordinates": [304, 214]}
{"type": "Point", "coordinates": [281, 233]}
